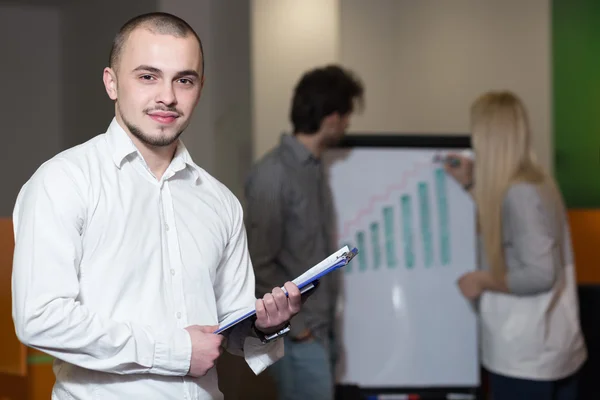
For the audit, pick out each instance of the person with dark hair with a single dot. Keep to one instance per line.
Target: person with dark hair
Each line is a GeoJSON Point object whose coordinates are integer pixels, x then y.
{"type": "Point", "coordinates": [128, 255]}
{"type": "Point", "coordinates": [290, 224]}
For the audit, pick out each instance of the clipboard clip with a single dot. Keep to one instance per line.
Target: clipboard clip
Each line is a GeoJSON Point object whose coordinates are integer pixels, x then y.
{"type": "Point", "coordinates": [349, 255]}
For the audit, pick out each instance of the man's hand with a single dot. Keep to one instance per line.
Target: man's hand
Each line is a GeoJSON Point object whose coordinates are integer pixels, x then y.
{"type": "Point", "coordinates": [206, 348]}
{"type": "Point", "coordinates": [275, 309]}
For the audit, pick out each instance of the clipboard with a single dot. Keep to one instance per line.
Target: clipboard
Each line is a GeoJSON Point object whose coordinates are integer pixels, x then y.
{"type": "Point", "coordinates": [305, 282]}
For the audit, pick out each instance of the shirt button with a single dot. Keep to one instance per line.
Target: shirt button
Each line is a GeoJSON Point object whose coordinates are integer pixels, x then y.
{"type": "Point", "coordinates": [178, 315]}
{"type": "Point", "coordinates": [172, 272]}
{"type": "Point", "coordinates": [167, 227]}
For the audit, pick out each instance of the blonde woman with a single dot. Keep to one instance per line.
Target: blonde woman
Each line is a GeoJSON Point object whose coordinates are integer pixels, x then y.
{"type": "Point", "coordinates": [526, 292]}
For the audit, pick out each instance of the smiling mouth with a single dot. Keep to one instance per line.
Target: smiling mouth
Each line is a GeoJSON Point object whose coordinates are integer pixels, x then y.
{"type": "Point", "coordinates": [164, 117]}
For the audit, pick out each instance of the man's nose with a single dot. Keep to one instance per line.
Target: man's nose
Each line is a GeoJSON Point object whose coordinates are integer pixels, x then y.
{"type": "Point", "coordinates": [166, 94]}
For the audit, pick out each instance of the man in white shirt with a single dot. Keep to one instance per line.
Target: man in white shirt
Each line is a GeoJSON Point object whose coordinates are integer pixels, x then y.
{"type": "Point", "coordinates": [127, 254]}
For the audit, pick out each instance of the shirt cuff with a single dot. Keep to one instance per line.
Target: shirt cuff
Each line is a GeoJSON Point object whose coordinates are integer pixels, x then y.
{"type": "Point", "coordinates": [260, 356]}
{"type": "Point", "coordinates": [172, 353]}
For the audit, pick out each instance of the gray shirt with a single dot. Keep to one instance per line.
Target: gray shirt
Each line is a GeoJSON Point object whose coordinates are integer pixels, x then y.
{"type": "Point", "coordinates": [536, 238]}
{"type": "Point", "coordinates": [290, 224]}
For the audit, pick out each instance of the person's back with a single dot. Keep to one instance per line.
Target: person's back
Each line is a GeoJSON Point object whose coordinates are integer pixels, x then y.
{"type": "Point", "coordinates": [513, 342]}
{"type": "Point", "coordinates": [290, 223]}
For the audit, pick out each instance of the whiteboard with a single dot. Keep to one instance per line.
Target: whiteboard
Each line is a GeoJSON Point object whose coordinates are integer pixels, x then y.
{"type": "Point", "coordinates": [403, 322]}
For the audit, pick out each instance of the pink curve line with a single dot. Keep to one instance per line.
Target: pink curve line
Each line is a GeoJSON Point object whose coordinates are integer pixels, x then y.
{"type": "Point", "coordinates": [417, 167]}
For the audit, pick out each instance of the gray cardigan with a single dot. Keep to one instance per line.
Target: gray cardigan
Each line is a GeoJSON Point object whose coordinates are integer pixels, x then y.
{"type": "Point", "coordinates": [534, 226]}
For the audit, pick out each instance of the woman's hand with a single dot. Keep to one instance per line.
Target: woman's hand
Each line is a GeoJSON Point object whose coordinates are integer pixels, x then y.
{"type": "Point", "coordinates": [461, 169]}
{"type": "Point", "coordinates": [473, 284]}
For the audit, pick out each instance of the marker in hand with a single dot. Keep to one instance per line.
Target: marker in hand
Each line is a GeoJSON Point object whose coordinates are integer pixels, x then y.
{"type": "Point", "coordinates": [450, 161]}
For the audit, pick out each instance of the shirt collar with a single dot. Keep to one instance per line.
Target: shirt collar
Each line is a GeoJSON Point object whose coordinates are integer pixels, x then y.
{"type": "Point", "coordinates": [300, 152]}
{"type": "Point", "coordinates": [122, 146]}
{"type": "Point", "coordinates": [183, 159]}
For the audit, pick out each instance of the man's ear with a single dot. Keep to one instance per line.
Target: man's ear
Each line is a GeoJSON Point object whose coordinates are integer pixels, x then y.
{"type": "Point", "coordinates": [110, 82]}
{"type": "Point", "coordinates": [330, 120]}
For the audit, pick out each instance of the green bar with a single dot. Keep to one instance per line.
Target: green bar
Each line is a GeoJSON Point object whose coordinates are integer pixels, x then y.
{"type": "Point", "coordinates": [362, 254]}
{"type": "Point", "coordinates": [37, 359]}
{"type": "Point", "coordinates": [390, 242]}
{"type": "Point", "coordinates": [440, 183]}
{"type": "Point", "coordinates": [407, 232]}
{"type": "Point", "coordinates": [376, 248]}
{"type": "Point", "coordinates": [425, 223]}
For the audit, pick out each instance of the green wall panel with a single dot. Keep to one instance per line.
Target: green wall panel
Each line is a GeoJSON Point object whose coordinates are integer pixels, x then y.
{"type": "Point", "coordinates": [576, 87]}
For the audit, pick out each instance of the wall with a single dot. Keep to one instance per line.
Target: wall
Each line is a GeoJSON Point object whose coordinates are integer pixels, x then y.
{"type": "Point", "coordinates": [288, 37]}
{"type": "Point", "coordinates": [30, 105]}
{"type": "Point", "coordinates": [423, 62]}
{"type": "Point", "coordinates": [232, 95]}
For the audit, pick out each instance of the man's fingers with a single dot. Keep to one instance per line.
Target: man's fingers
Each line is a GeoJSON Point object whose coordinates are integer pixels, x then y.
{"type": "Point", "coordinates": [270, 305]}
{"type": "Point", "coordinates": [292, 289]}
{"type": "Point", "coordinates": [294, 296]}
{"type": "Point", "coordinates": [261, 311]}
{"type": "Point", "coordinates": [280, 298]}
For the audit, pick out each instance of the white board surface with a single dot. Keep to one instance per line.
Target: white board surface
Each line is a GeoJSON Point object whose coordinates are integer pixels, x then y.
{"type": "Point", "coordinates": [404, 323]}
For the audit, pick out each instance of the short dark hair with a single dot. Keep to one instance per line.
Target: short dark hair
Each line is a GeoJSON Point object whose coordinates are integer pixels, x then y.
{"type": "Point", "coordinates": [322, 92]}
{"type": "Point", "coordinates": [156, 22]}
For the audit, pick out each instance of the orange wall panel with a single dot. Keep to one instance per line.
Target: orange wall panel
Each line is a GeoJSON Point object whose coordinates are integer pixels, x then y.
{"type": "Point", "coordinates": [40, 375]}
{"type": "Point", "coordinates": [14, 354]}
{"type": "Point", "coordinates": [585, 230]}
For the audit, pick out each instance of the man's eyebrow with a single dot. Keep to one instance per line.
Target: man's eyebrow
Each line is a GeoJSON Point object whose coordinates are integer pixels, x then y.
{"type": "Point", "coordinates": [188, 72]}
{"type": "Point", "coordinates": [148, 68]}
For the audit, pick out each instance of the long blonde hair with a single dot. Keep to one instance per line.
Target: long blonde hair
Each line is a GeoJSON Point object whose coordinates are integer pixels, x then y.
{"type": "Point", "coordinates": [501, 140]}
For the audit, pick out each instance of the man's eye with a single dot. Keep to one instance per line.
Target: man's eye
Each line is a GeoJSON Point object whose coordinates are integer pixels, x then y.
{"type": "Point", "coordinates": [185, 81]}
{"type": "Point", "coordinates": [146, 77]}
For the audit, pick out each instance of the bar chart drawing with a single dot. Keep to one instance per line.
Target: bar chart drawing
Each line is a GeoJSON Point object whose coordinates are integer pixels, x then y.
{"type": "Point", "coordinates": [390, 228]}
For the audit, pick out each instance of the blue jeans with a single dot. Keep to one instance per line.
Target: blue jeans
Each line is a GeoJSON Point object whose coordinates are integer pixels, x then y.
{"type": "Point", "coordinates": [304, 372]}
{"type": "Point", "coordinates": [506, 388]}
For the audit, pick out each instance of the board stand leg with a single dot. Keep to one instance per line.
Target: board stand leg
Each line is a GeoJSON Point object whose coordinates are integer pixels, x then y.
{"type": "Point", "coordinates": [351, 392]}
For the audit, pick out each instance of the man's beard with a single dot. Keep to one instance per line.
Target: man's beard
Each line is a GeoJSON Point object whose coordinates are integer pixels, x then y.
{"type": "Point", "coordinates": [334, 140]}
{"type": "Point", "coordinates": [148, 140]}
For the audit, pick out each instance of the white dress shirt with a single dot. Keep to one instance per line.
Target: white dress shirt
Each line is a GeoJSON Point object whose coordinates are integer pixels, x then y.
{"type": "Point", "coordinates": [111, 265]}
